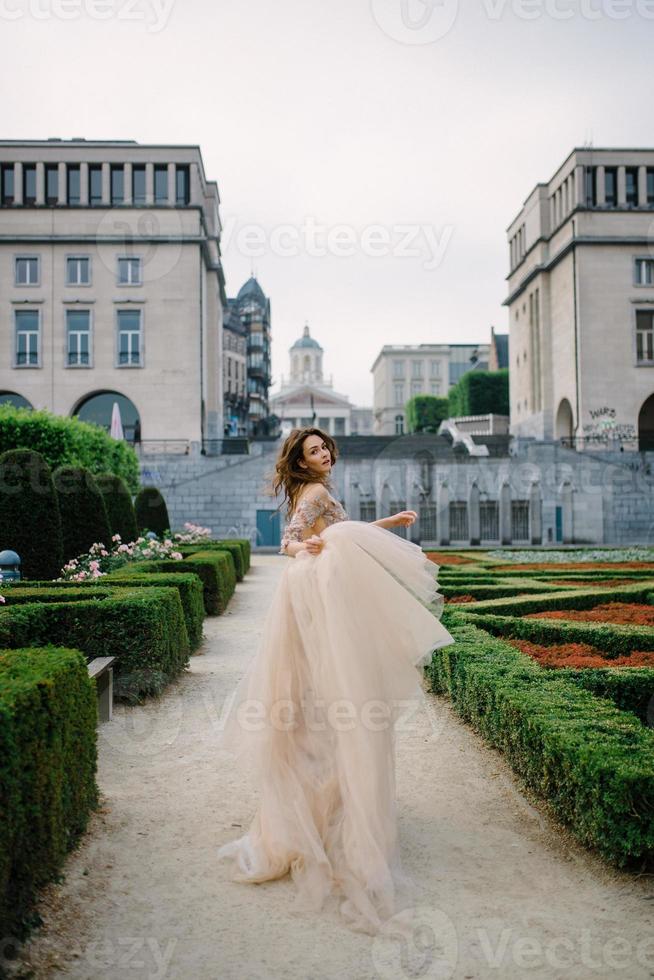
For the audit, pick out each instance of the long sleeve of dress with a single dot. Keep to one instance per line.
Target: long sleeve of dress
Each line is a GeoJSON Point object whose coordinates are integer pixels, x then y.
{"type": "Point", "coordinates": [304, 517]}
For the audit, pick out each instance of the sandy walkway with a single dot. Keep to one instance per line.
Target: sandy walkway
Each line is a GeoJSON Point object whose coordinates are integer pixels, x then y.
{"type": "Point", "coordinates": [502, 892]}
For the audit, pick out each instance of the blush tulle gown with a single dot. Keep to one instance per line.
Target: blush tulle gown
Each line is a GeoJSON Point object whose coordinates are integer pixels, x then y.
{"type": "Point", "coordinates": [312, 720]}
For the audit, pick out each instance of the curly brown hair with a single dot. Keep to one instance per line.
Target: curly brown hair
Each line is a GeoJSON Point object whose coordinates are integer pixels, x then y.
{"type": "Point", "coordinates": [289, 475]}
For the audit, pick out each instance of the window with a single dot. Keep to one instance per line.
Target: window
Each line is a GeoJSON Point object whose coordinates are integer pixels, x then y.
{"type": "Point", "coordinates": [129, 338]}
{"type": "Point", "coordinates": [645, 336]}
{"type": "Point", "coordinates": [519, 520]}
{"type": "Point", "coordinates": [323, 423]}
{"type": "Point", "coordinates": [591, 187]}
{"type": "Point", "coordinates": [368, 509]}
{"type": "Point", "coordinates": [631, 186]}
{"type": "Point", "coordinates": [458, 520]}
{"type": "Point", "coordinates": [138, 185]}
{"type": "Point", "coordinates": [435, 388]}
{"type": "Point", "coordinates": [398, 369]}
{"type": "Point", "coordinates": [182, 186]}
{"type": "Point", "coordinates": [435, 369]}
{"type": "Point", "coordinates": [416, 387]}
{"type": "Point", "coordinates": [27, 338]}
{"type": "Point", "coordinates": [74, 185]}
{"type": "Point", "coordinates": [161, 185]}
{"type": "Point", "coordinates": [7, 176]}
{"type": "Point", "coordinates": [339, 427]}
{"type": "Point", "coordinates": [611, 186]}
{"type": "Point", "coordinates": [78, 270]}
{"type": "Point", "coordinates": [78, 338]}
{"type": "Point", "coordinates": [399, 395]}
{"type": "Point", "coordinates": [117, 184]}
{"type": "Point", "coordinates": [27, 270]}
{"type": "Point", "coordinates": [650, 187]}
{"type": "Point", "coordinates": [129, 271]}
{"type": "Point", "coordinates": [489, 520]}
{"type": "Point", "coordinates": [644, 272]}
{"type": "Point", "coordinates": [416, 369]}
{"type": "Point", "coordinates": [29, 183]}
{"type": "Point", "coordinates": [95, 186]}
{"type": "Point", "coordinates": [52, 184]}
{"type": "Point", "coordinates": [399, 425]}
{"type": "Point", "coordinates": [427, 519]}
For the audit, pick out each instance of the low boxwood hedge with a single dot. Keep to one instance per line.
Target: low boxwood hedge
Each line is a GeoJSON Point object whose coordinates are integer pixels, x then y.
{"type": "Point", "coordinates": [496, 590]}
{"type": "Point", "coordinates": [189, 587]}
{"type": "Point", "coordinates": [590, 760]}
{"type": "Point", "coordinates": [566, 599]}
{"type": "Point", "coordinates": [233, 549]}
{"type": "Point", "coordinates": [143, 628]}
{"type": "Point", "coordinates": [48, 718]}
{"type": "Point", "coordinates": [215, 569]}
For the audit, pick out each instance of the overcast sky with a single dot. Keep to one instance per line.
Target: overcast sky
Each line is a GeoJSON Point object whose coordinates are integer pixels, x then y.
{"type": "Point", "coordinates": [370, 152]}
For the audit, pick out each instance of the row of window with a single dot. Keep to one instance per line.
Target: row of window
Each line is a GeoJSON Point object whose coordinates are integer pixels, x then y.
{"type": "Point", "coordinates": [71, 191]}
{"type": "Point", "coordinates": [592, 187]}
{"type": "Point", "coordinates": [417, 369]}
{"type": "Point", "coordinates": [416, 388]}
{"type": "Point", "coordinates": [78, 272]}
{"type": "Point", "coordinates": [79, 347]}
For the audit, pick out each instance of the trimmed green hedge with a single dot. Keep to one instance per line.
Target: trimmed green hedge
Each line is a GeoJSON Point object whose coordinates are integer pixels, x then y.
{"type": "Point", "coordinates": [215, 569]}
{"type": "Point", "coordinates": [591, 761]}
{"type": "Point", "coordinates": [151, 511]}
{"type": "Point", "coordinates": [569, 599]}
{"type": "Point", "coordinates": [29, 513]}
{"type": "Point", "coordinates": [63, 441]}
{"type": "Point", "coordinates": [84, 519]}
{"type": "Point", "coordinates": [189, 587]}
{"type": "Point", "coordinates": [496, 590]}
{"type": "Point", "coordinates": [233, 547]}
{"type": "Point", "coordinates": [48, 718]}
{"type": "Point", "coordinates": [120, 509]}
{"type": "Point", "coordinates": [143, 628]}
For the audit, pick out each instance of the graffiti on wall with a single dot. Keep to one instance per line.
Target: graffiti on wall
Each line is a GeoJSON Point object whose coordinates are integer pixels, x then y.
{"type": "Point", "coordinates": [605, 428]}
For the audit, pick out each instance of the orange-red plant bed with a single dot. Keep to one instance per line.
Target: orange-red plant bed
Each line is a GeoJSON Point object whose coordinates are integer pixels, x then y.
{"type": "Point", "coordinates": [580, 655]}
{"type": "Point", "coordinates": [623, 613]}
{"type": "Point", "coordinates": [594, 583]}
{"type": "Point", "coordinates": [461, 598]}
{"type": "Point", "coordinates": [578, 566]}
{"type": "Point", "coordinates": [442, 558]}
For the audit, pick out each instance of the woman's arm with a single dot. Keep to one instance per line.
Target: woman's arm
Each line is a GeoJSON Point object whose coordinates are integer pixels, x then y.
{"type": "Point", "coordinates": [403, 519]}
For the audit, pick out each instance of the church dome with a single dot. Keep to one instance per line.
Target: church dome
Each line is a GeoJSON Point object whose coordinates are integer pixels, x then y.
{"type": "Point", "coordinates": [306, 340]}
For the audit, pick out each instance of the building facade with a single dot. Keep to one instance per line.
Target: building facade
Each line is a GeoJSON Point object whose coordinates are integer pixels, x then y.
{"type": "Point", "coordinates": [111, 283]}
{"type": "Point", "coordinates": [252, 308]}
{"type": "Point", "coordinates": [401, 371]}
{"type": "Point", "coordinates": [235, 385]}
{"type": "Point", "coordinates": [306, 397]}
{"type": "Point", "coordinates": [581, 303]}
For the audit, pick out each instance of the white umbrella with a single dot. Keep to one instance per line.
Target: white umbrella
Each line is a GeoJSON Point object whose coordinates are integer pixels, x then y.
{"type": "Point", "coordinates": [116, 423]}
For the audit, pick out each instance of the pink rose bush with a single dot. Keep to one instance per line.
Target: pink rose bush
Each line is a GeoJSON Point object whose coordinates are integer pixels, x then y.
{"type": "Point", "coordinates": [192, 534]}
{"type": "Point", "coordinates": [101, 560]}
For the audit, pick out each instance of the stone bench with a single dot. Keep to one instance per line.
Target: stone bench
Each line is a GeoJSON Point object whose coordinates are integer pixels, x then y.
{"type": "Point", "coordinates": [101, 668]}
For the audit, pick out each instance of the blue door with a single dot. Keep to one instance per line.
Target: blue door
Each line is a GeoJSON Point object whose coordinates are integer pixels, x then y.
{"type": "Point", "coordinates": [559, 524]}
{"type": "Point", "coordinates": [268, 535]}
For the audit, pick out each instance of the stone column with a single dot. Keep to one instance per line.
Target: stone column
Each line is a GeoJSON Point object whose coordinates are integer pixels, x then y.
{"type": "Point", "coordinates": [443, 517]}
{"type": "Point", "coordinates": [106, 185]}
{"type": "Point", "coordinates": [84, 184]}
{"type": "Point", "coordinates": [566, 503]}
{"type": "Point", "coordinates": [127, 183]}
{"type": "Point", "coordinates": [535, 514]}
{"type": "Point", "coordinates": [61, 180]}
{"type": "Point", "coordinates": [642, 187]}
{"type": "Point", "coordinates": [18, 182]}
{"type": "Point", "coordinates": [601, 184]}
{"type": "Point", "coordinates": [579, 187]}
{"type": "Point", "coordinates": [149, 185]}
{"type": "Point", "coordinates": [171, 184]}
{"type": "Point", "coordinates": [40, 183]}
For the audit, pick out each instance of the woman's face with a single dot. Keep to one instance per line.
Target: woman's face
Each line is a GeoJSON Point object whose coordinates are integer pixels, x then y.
{"type": "Point", "coordinates": [316, 456]}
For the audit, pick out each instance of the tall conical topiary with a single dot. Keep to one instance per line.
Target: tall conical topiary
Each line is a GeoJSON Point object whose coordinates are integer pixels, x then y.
{"type": "Point", "coordinates": [29, 513]}
{"type": "Point", "coordinates": [84, 518]}
{"type": "Point", "coordinates": [151, 511]}
{"type": "Point", "coordinates": [120, 509]}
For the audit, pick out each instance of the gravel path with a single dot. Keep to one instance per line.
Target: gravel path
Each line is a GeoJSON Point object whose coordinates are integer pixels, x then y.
{"type": "Point", "coordinates": [502, 891]}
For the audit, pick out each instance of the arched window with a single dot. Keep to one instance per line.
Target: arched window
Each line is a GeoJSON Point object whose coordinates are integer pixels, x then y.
{"type": "Point", "coordinates": [646, 425]}
{"type": "Point", "coordinates": [98, 407]}
{"type": "Point", "coordinates": [399, 425]}
{"type": "Point", "coordinates": [11, 398]}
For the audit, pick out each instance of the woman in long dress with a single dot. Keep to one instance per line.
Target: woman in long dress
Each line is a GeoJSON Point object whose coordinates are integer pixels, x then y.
{"type": "Point", "coordinates": [354, 618]}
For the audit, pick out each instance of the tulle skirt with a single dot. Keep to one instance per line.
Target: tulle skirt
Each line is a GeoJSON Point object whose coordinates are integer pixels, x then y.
{"type": "Point", "coordinates": [313, 719]}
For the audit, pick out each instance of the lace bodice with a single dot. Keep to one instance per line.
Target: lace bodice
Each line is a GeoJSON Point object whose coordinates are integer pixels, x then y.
{"type": "Point", "coordinates": [321, 508]}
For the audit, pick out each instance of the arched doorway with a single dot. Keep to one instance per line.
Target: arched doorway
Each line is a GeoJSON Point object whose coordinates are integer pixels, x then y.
{"type": "Point", "coordinates": [11, 398]}
{"type": "Point", "coordinates": [98, 407]}
{"type": "Point", "coordinates": [646, 425]}
{"type": "Point", "coordinates": [564, 420]}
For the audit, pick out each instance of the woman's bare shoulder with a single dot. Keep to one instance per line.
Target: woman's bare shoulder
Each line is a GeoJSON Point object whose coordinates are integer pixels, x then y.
{"type": "Point", "coordinates": [314, 492]}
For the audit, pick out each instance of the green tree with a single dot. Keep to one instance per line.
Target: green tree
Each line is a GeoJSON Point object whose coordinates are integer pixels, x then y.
{"type": "Point", "coordinates": [480, 393]}
{"type": "Point", "coordinates": [84, 518]}
{"type": "Point", "coordinates": [424, 413]}
{"type": "Point", "coordinates": [120, 509]}
{"type": "Point", "coordinates": [29, 513]}
{"type": "Point", "coordinates": [151, 511]}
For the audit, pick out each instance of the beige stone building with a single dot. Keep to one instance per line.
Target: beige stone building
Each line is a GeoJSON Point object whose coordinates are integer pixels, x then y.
{"type": "Point", "coordinates": [401, 371]}
{"type": "Point", "coordinates": [111, 285]}
{"type": "Point", "coordinates": [581, 303]}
